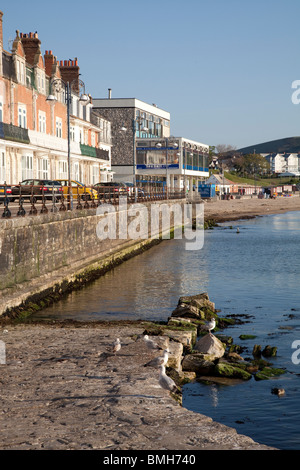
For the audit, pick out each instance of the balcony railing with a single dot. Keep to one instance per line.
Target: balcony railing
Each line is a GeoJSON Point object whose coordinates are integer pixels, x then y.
{"type": "Point", "coordinates": [14, 133]}
{"type": "Point", "coordinates": [94, 152]}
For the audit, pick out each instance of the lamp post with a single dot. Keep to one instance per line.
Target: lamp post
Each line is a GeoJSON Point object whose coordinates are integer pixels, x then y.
{"type": "Point", "coordinates": [58, 84]}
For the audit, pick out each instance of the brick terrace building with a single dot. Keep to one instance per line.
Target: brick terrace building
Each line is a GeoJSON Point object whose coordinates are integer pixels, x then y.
{"type": "Point", "coordinates": [33, 131]}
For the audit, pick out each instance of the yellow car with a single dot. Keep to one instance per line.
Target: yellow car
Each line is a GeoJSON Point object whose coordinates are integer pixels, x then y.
{"type": "Point", "coordinates": [85, 192]}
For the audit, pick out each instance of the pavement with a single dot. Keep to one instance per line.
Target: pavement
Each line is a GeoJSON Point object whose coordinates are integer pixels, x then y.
{"type": "Point", "coordinates": [62, 388]}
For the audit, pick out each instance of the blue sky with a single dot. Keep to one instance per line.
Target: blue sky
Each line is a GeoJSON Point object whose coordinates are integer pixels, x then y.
{"type": "Point", "coordinates": [222, 68]}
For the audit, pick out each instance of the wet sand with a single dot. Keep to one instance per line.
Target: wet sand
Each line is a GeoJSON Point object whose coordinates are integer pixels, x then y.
{"type": "Point", "coordinates": [234, 209]}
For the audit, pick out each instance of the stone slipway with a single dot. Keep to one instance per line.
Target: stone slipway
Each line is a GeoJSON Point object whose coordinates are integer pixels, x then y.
{"type": "Point", "coordinates": [61, 390]}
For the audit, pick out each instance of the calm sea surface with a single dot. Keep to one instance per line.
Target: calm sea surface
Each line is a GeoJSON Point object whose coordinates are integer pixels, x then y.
{"type": "Point", "coordinates": [255, 273]}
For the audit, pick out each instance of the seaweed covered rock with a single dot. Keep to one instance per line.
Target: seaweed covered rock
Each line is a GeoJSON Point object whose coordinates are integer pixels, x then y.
{"type": "Point", "coordinates": [195, 306]}
{"type": "Point", "coordinates": [198, 364]}
{"type": "Point", "coordinates": [224, 369]}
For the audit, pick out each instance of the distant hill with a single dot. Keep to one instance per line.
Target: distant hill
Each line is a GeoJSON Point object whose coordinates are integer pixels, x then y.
{"type": "Point", "coordinates": [288, 145]}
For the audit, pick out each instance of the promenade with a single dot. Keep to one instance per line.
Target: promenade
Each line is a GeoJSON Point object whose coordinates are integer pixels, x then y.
{"type": "Point", "coordinates": [61, 390]}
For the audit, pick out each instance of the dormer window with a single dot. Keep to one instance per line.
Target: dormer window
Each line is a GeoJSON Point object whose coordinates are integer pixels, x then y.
{"type": "Point", "coordinates": [20, 71]}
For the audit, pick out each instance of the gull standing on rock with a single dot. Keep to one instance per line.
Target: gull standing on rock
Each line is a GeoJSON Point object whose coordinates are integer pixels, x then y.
{"type": "Point", "coordinates": [210, 325]}
{"type": "Point", "coordinates": [166, 382]}
{"type": "Point", "coordinates": [158, 361]}
{"type": "Point", "coordinates": [116, 346]}
{"type": "Point", "coordinates": [151, 344]}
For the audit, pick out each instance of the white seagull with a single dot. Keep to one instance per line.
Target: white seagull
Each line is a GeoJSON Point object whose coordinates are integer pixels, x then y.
{"type": "Point", "coordinates": [150, 343]}
{"type": "Point", "coordinates": [210, 325]}
{"type": "Point", "coordinates": [158, 361]}
{"type": "Point", "coordinates": [166, 382]}
{"type": "Point", "coordinates": [116, 346]}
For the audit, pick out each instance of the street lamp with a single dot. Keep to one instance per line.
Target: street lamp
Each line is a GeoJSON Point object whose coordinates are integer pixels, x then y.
{"type": "Point", "coordinates": [58, 84]}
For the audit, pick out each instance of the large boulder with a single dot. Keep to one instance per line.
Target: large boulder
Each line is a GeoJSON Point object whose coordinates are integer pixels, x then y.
{"type": "Point", "coordinates": [198, 364]}
{"type": "Point", "coordinates": [195, 306]}
{"type": "Point", "coordinates": [210, 344]}
{"type": "Point", "coordinates": [224, 369]}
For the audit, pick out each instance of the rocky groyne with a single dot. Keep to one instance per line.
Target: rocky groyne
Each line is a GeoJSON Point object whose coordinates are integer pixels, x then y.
{"type": "Point", "coordinates": [212, 355]}
{"type": "Point", "coordinates": [63, 388]}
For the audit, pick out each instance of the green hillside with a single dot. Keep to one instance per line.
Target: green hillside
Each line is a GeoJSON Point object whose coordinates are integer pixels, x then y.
{"type": "Point", "coordinates": [265, 182]}
{"type": "Point", "coordinates": [288, 145]}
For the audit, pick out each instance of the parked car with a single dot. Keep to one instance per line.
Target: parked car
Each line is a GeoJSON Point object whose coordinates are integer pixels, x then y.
{"type": "Point", "coordinates": [140, 192]}
{"type": "Point", "coordinates": [111, 189]}
{"type": "Point", "coordinates": [37, 188]}
{"type": "Point", "coordinates": [85, 192]}
{"type": "Point", "coordinates": [6, 192]}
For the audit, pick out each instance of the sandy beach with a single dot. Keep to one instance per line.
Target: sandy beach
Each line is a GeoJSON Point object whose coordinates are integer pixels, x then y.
{"type": "Point", "coordinates": [234, 209]}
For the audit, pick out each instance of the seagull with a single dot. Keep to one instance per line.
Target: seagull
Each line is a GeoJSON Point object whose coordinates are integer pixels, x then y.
{"type": "Point", "coordinates": [116, 346]}
{"type": "Point", "coordinates": [210, 325]}
{"type": "Point", "coordinates": [150, 343]}
{"type": "Point", "coordinates": [157, 361]}
{"type": "Point", "coordinates": [166, 382]}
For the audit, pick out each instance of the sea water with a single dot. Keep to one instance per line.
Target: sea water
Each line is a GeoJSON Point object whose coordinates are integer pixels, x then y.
{"type": "Point", "coordinates": [252, 273]}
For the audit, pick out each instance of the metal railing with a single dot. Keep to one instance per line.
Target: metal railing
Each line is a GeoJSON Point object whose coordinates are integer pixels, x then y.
{"type": "Point", "coordinates": [20, 200]}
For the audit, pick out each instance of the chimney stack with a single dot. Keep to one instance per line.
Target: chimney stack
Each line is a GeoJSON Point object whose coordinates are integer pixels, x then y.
{"type": "Point", "coordinates": [69, 71]}
{"type": "Point", "coordinates": [50, 63]}
{"type": "Point", "coordinates": [31, 45]}
{"type": "Point", "coordinates": [109, 93]}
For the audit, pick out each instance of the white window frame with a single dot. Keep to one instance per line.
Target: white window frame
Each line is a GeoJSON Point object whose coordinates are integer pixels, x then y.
{"type": "Point", "coordinates": [22, 116]}
{"type": "Point", "coordinates": [2, 167]}
{"type": "Point", "coordinates": [42, 122]}
{"type": "Point", "coordinates": [27, 167]}
{"type": "Point", "coordinates": [44, 168]}
{"type": "Point", "coordinates": [62, 169]}
{"type": "Point", "coordinates": [93, 139]}
{"type": "Point", "coordinates": [95, 174]}
{"type": "Point", "coordinates": [1, 109]}
{"type": "Point", "coordinates": [58, 127]}
{"type": "Point", "coordinates": [76, 171]}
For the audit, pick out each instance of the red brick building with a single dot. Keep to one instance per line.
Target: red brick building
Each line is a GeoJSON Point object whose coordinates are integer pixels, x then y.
{"type": "Point", "coordinates": [33, 130]}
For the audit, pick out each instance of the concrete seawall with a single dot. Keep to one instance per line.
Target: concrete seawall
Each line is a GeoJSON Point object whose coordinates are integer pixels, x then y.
{"type": "Point", "coordinates": [43, 257]}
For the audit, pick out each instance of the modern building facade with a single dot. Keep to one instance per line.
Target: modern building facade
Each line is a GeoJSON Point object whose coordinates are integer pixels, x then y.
{"type": "Point", "coordinates": [34, 131]}
{"type": "Point", "coordinates": [143, 149]}
{"type": "Point", "coordinates": [177, 162]}
{"type": "Point", "coordinates": [131, 119]}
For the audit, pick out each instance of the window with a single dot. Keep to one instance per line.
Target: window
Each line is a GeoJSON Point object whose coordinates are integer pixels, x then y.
{"type": "Point", "coordinates": [58, 127]}
{"type": "Point", "coordinates": [27, 165]}
{"type": "Point", "coordinates": [1, 110]}
{"type": "Point", "coordinates": [93, 139]}
{"type": "Point", "coordinates": [42, 122]}
{"type": "Point", "coordinates": [22, 119]}
{"type": "Point", "coordinates": [62, 169]}
{"type": "Point", "coordinates": [76, 171]}
{"type": "Point", "coordinates": [43, 168]}
{"type": "Point", "coordinates": [95, 174]}
{"type": "Point", "coordinates": [72, 133]}
{"type": "Point", "coordinates": [2, 167]}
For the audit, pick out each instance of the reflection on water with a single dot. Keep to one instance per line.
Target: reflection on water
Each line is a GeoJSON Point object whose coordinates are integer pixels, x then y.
{"type": "Point", "coordinates": [254, 273]}
{"type": "Point", "coordinates": [145, 287]}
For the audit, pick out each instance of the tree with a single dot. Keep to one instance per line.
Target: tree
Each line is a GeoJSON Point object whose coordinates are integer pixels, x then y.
{"type": "Point", "coordinates": [251, 164]}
